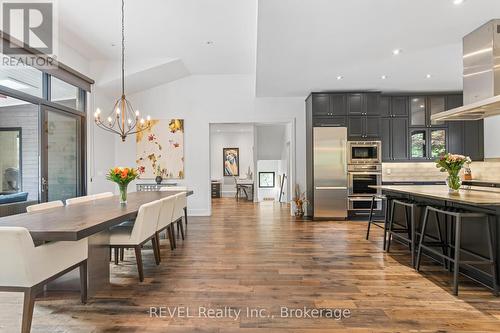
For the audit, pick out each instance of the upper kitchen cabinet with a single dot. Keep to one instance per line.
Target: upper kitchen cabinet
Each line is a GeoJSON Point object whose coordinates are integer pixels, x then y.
{"type": "Point", "coordinates": [363, 104]}
{"type": "Point", "coordinates": [327, 105]}
{"type": "Point", "coordinates": [394, 137]}
{"type": "Point", "coordinates": [418, 111]}
{"type": "Point", "coordinates": [423, 107]}
{"type": "Point", "coordinates": [363, 127]}
{"type": "Point", "coordinates": [399, 106]}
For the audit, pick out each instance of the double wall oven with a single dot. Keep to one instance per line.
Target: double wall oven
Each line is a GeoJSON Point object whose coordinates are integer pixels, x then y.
{"type": "Point", "coordinates": [364, 170]}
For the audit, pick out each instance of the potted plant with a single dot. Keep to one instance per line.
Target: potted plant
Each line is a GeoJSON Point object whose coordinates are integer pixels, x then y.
{"type": "Point", "coordinates": [299, 200]}
{"type": "Point", "coordinates": [122, 176]}
{"type": "Point", "coordinates": [452, 164]}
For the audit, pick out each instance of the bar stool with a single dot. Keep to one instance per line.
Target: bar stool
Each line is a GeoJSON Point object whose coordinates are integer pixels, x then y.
{"type": "Point", "coordinates": [376, 222]}
{"type": "Point", "coordinates": [408, 229]}
{"type": "Point", "coordinates": [458, 217]}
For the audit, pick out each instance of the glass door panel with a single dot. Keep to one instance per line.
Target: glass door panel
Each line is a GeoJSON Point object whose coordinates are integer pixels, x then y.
{"type": "Point", "coordinates": [418, 142]}
{"type": "Point", "coordinates": [436, 105]}
{"type": "Point", "coordinates": [63, 155]}
{"type": "Point", "coordinates": [438, 142]}
{"type": "Point", "coordinates": [19, 149]}
{"type": "Point", "coordinates": [417, 111]}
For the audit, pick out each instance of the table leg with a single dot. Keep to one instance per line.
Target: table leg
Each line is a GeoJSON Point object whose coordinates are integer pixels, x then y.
{"type": "Point", "coordinates": [97, 268]}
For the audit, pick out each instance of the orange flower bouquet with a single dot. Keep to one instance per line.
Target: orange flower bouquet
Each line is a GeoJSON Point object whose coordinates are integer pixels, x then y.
{"type": "Point", "coordinates": [122, 176]}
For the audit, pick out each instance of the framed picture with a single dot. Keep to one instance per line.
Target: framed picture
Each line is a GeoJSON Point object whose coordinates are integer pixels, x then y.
{"type": "Point", "coordinates": [231, 161]}
{"type": "Point", "coordinates": [266, 179]}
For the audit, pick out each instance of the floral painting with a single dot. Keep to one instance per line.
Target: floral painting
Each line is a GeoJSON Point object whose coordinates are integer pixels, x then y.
{"type": "Point", "coordinates": [160, 149]}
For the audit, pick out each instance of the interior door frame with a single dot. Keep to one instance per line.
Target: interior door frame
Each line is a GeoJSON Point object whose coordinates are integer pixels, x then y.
{"type": "Point", "coordinates": [81, 150]}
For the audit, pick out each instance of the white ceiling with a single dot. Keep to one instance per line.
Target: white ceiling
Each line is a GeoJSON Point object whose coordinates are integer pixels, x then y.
{"type": "Point", "coordinates": [293, 46]}
{"type": "Point", "coordinates": [304, 45]}
{"type": "Point", "coordinates": [165, 29]}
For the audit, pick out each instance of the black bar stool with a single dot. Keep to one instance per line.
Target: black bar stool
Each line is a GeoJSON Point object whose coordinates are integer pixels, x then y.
{"type": "Point", "coordinates": [458, 217]}
{"type": "Point", "coordinates": [405, 233]}
{"type": "Point", "coordinates": [378, 223]}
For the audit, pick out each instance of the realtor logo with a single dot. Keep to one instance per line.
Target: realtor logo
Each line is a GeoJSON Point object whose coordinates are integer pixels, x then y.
{"type": "Point", "coordinates": [30, 25]}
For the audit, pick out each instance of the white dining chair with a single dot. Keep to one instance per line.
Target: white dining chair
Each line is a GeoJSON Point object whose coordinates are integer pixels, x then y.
{"type": "Point", "coordinates": [180, 212]}
{"type": "Point", "coordinates": [44, 206]}
{"type": "Point", "coordinates": [143, 230]}
{"type": "Point", "coordinates": [87, 198]}
{"type": "Point", "coordinates": [175, 189]}
{"type": "Point", "coordinates": [165, 220]}
{"type": "Point", "coordinates": [103, 195]}
{"type": "Point", "coordinates": [26, 268]}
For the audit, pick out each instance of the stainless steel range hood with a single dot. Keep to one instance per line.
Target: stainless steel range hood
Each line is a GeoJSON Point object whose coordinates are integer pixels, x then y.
{"type": "Point", "coordinates": [481, 76]}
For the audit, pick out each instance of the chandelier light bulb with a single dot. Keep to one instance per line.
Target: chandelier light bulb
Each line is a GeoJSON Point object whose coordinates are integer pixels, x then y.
{"type": "Point", "coordinates": [137, 113]}
{"type": "Point", "coordinates": [142, 120]}
{"type": "Point", "coordinates": [118, 111]}
{"type": "Point", "coordinates": [129, 121]}
{"type": "Point", "coordinates": [110, 119]}
{"type": "Point", "coordinates": [148, 118]}
{"type": "Point", "coordinates": [98, 111]}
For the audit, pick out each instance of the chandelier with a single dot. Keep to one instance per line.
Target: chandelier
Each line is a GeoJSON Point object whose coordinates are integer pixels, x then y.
{"type": "Point", "coordinates": [122, 120]}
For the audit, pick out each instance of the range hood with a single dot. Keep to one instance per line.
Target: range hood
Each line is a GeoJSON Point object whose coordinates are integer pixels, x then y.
{"type": "Point", "coordinates": [481, 76]}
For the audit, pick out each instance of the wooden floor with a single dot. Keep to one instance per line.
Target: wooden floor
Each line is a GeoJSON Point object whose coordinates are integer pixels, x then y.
{"type": "Point", "coordinates": [252, 257]}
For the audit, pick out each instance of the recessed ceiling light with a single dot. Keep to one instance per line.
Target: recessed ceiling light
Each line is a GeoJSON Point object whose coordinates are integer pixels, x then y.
{"type": "Point", "coordinates": [340, 77]}
{"type": "Point", "coordinates": [458, 2]}
{"type": "Point", "coordinates": [383, 77]}
{"type": "Point", "coordinates": [396, 51]}
{"type": "Point", "coordinates": [422, 106]}
{"type": "Point", "coordinates": [210, 42]}
{"type": "Point", "coordinates": [428, 76]}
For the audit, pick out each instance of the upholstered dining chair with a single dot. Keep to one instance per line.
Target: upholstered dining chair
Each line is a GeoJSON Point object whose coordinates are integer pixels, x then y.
{"type": "Point", "coordinates": [135, 236]}
{"type": "Point", "coordinates": [44, 206]}
{"type": "Point", "coordinates": [180, 212]}
{"type": "Point", "coordinates": [183, 189]}
{"type": "Point", "coordinates": [165, 220]}
{"type": "Point", "coordinates": [26, 268]}
{"type": "Point", "coordinates": [87, 198]}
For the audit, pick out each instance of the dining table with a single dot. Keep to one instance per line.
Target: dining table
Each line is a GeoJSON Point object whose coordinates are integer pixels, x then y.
{"type": "Point", "coordinates": [91, 220]}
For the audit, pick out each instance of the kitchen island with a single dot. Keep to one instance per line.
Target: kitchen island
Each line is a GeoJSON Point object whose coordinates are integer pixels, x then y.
{"type": "Point", "coordinates": [474, 198]}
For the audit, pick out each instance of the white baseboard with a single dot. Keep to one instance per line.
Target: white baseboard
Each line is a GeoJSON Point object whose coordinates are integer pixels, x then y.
{"type": "Point", "coordinates": [198, 212]}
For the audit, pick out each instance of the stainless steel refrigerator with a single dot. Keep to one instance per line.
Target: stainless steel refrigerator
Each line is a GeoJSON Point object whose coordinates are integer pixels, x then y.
{"type": "Point", "coordinates": [330, 172]}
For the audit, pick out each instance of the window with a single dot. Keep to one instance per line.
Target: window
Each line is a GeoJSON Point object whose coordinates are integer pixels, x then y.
{"type": "Point", "coordinates": [65, 94]}
{"type": "Point", "coordinates": [25, 79]}
{"type": "Point", "coordinates": [19, 141]}
{"type": "Point", "coordinates": [438, 143]}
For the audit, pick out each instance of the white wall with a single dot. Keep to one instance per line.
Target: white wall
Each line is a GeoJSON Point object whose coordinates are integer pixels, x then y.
{"type": "Point", "coordinates": [204, 99]}
{"type": "Point", "coordinates": [239, 139]}
{"type": "Point", "coordinates": [492, 137]}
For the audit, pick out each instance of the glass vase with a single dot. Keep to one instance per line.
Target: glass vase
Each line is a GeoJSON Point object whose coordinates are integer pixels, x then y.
{"type": "Point", "coordinates": [123, 193]}
{"type": "Point", "coordinates": [454, 182]}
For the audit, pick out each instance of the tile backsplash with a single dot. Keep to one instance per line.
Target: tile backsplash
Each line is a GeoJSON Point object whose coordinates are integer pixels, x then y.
{"type": "Point", "coordinates": [487, 171]}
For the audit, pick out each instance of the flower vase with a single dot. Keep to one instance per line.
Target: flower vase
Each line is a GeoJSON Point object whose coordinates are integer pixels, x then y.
{"type": "Point", "coordinates": [454, 182]}
{"type": "Point", "coordinates": [123, 193]}
{"type": "Point", "coordinates": [158, 179]}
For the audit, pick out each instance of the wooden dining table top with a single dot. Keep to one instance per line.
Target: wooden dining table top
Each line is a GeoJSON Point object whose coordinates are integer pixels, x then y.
{"type": "Point", "coordinates": [78, 221]}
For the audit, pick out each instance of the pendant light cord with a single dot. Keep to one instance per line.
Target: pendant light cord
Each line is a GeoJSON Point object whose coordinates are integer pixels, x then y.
{"type": "Point", "coordinates": [123, 47]}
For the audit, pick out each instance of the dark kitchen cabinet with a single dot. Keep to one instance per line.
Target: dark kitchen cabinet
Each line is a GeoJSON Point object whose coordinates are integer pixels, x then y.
{"type": "Point", "coordinates": [454, 101]}
{"type": "Point", "coordinates": [427, 143]}
{"type": "Point", "coordinates": [394, 137]}
{"type": "Point", "coordinates": [372, 102]}
{"type": "Point", "coordinates": [456, 137]}
{"type": "Point", "coordinates": [321, 105]}
{"type": "Point", "coordinates": [330, 121]}
{"type": "Point", "coordinates": [399, 106]}
{"type": "Point", "coordinates": [384, 106]}
{"type": "Point", "coordinates": [328, 105]}
{"type": "Point", "coordinates": [363, 127]}
{"type": "Point", "coordinates": [338, 104]}
{"type": "Point", "coordinates": [474, 139]}
{"type": "Point", "coordinates": [418, 111]}
{"type": "Point", "coordinates": [355, 104]}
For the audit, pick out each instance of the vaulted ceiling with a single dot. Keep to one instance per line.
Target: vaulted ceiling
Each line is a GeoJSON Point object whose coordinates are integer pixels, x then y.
{"type": "Point", "coordinates": [292, 46]}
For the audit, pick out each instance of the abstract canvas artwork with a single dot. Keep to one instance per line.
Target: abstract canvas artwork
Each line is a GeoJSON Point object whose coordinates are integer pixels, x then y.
{"type": "Point", "coordinates": [160, 149]}
{"type": "Point", "coordinates": [231, 161]}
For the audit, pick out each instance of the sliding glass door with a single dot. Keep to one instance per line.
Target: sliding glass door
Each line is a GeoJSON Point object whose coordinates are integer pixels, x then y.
{"type": "Point", "coordinates": [61, 155]}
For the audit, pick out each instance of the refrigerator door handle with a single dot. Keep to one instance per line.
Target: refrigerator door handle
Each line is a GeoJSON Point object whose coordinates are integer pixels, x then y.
{"type": "Point", "coordinates": [331, 187]}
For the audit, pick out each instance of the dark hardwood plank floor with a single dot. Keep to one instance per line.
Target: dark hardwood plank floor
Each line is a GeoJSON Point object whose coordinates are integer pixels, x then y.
{"type": "Point", "coordinates": [258, 257]}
